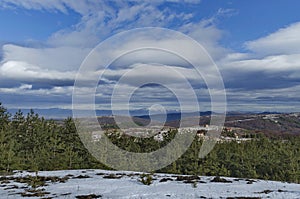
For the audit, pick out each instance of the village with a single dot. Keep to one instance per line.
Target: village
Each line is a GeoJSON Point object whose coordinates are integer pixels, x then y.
{"type": "Point", "coordinates": [224, 134]}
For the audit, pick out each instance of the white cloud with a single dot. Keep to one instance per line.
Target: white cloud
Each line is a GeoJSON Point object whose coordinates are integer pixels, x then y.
{"type": "Point", "coordinates": [54, 5]}
{"type": "Point", "coordinates": [100, 19]}
{"type": "Point", "coordinates": [101, 24]}
{"type": "Point", "coordinates": [22, 71]}
{"type": "Point", "coordinates": [270, 64]}
{"type": "Point", "coordinates": [283, 41]}
{"type": "Point", "coordinates": [275, 57]}
{"type": "Point", "coordinates": [223, 12]}
{"type": "Point", "coordinates": [26, 89]}
{"type": "Point", "coordinates": [82, 7]}
{"type": "Point", "coordinates": [62, 58]}
{"type": "Point", "coordinates": [25, 86]}
{"type": "Point", "coordinates": [208, 35]}
{"type": "Point", "coordinates": [256, 95]}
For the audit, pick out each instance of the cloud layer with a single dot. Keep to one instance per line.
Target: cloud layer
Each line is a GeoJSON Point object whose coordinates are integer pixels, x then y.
{"type": "Point", "coordinates": [264, 76]}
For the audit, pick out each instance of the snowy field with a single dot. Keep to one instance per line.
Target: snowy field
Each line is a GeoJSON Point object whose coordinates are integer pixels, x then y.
{"type": "Point", "coordinates": [122, 184]}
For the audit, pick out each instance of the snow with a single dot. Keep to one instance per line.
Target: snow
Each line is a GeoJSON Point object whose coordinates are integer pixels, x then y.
{"type": "Point", "coordinates": [129, 186]}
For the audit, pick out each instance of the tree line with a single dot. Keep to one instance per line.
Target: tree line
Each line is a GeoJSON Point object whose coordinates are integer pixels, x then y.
{"type": "Point", "coordinates": [30, 142]}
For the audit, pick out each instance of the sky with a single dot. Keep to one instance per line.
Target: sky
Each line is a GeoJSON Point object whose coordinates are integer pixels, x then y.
{"type": "Point", "coordinates": [255, 44]}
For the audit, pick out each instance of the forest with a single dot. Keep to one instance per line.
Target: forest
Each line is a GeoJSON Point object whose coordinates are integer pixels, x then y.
{"type": "Point", "coordinates": [30, 142]}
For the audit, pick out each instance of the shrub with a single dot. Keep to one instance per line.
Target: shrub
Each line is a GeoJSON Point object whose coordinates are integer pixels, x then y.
{"type": "Point", "coordinates": [146, 179]}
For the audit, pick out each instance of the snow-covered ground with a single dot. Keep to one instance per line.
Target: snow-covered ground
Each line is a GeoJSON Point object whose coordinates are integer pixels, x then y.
{"type": "Point", "coordinates": [125, 184]}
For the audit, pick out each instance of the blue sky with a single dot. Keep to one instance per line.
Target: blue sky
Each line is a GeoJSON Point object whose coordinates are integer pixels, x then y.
{"type": "Point", "coordinates": [22, 25]}
{"type": "Point", "coordinates": [254, 43]}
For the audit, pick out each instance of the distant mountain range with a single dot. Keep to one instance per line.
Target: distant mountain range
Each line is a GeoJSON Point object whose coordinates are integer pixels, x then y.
{"type": "Point", "coordinates": [57, 113]}
{"type": "Point", "coordinates": [175, 116]}
{"type": "Point", "coordinates": [51, 113]}
{"type": "Point", "coordinates": [267, 122]}
{"type": "Point", "coordinates": [172, 115]}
